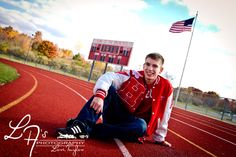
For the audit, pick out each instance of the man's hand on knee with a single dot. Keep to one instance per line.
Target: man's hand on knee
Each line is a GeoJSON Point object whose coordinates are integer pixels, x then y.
{"type": "Point", "coordinates": [97, 104]}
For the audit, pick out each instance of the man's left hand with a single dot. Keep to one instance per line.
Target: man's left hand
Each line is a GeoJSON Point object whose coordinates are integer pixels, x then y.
{"type": "Point", "coordinates": [163, 143]}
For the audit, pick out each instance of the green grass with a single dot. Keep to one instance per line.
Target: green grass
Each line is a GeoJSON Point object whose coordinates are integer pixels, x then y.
{"type": "Point", "coordinates": [7, 74]}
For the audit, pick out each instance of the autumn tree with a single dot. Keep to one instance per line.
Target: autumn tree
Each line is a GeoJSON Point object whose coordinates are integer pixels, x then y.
{"type": "Point", "coordinates": [37, 40]}
{"type": "Point", "coordinates": [10, 32]}
{"type": "Point", "coordinates": [23, 42]}
{"type": "Point", "coordinates": [65, 53]}
{"type": "Point", "coordinates": [100, 66]}
{"type": "Point", "coordinates": [195, 91]}
{"type": "Point", "coordinates": [2, 34]}
{"type": "Point", "coordinates": [211, 94]}
{"type": "Point", "coordinates": [13, 41]}
{"type": "Point", "coordinates": [80, 60]}
{"type": "Point", "coordinates": [77, 57]}
{"type": "Point", "coordinates": [3, 44]}
{"type": "Point", "coordinates": [48, 49]}
{"type": "Point", "coordinates": [38, 37]}
{"type": "Point", "coordinates": [6, 36]}
{"type": "Point", "coordinates": [211, 98]}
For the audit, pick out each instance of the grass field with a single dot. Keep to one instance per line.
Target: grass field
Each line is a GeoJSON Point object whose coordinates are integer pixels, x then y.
{"type": "Point", "coordinates": [7, 74]}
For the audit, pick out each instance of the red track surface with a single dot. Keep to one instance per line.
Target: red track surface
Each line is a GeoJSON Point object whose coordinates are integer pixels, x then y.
{"type": "Point", "coordinates": [54, 98]}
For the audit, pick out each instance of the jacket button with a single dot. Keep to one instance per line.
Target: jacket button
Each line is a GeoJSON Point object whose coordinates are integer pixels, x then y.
{"type": "Point", "coordinates": [153, 113]}
{"type": "Point", "coordinates": [153, 99]}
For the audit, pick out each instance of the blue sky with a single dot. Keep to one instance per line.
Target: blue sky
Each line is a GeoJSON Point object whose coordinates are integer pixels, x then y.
{"type": "Point", "coordinates": [74, 24]}
{"type": "Point", "coordinates": [157, 12]}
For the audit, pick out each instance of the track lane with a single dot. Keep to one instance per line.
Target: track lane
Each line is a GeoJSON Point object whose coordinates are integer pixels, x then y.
{"type": "Point", "coordinates": [180, 147]}
{"type": "Point", "coordinates": [209, 120]}
{"type": "Point", "coordinates": [202, 138]}
{"type": "Point", "coordinates": [220, 126]}
{"type": "Point", "coordinates": [216, 131]}
{"type": "Point", "coordinates": [24, 78]}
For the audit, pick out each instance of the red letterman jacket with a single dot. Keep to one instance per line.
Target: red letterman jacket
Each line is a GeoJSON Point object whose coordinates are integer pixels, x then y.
{"type": "Point", "coordinates": [162, 98]}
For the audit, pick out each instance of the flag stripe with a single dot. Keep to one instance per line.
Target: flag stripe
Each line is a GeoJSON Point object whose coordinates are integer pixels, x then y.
{"type": "Point", "coordinates": [182, 26]}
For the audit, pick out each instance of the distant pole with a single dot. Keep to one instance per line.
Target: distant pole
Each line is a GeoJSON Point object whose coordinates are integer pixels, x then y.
{"type": "Point", "coordinates": [105, 68]}
{"type": "Point", "coordinates": [31, 40]}
{"type": "Point", "coordinates": [226, 102]}
{"type": "Point", "coordinates": [91, 70]}
{"type": "Point", "coordinates": [121, 68]}
{"type": "Point", "coordinates": [177, 95]}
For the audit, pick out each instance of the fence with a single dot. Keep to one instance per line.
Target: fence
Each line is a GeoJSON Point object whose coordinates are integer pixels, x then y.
{"type": "Point", "coordinates": [217, 107]}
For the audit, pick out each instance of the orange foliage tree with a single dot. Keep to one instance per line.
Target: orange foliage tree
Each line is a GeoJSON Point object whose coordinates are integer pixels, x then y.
{"type": "Point", "coordinates": [65, 53]}
{"type": "Point", "coordinates": [48, 49]}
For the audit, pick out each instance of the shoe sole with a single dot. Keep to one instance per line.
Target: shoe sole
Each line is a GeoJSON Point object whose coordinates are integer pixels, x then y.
{"type": "Point", "coordinates": [67, 136]}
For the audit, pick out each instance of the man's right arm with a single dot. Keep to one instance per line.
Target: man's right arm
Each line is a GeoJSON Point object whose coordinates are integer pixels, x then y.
{"type": "Point", "coordinates": [110, 78]}
{"type": "Point", "coordinates": [103, 84]}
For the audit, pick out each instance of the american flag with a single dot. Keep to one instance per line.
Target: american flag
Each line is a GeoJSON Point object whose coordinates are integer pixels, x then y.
{"type": "Point", "coordinates": [181, 26]}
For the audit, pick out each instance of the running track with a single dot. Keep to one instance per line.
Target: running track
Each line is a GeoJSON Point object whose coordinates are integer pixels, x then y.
{"type": "Point", "coordinates": [47, 100]}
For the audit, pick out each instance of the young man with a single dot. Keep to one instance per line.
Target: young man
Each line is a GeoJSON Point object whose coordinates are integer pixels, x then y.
{"type": "Point", "coordinates": [133, 104]}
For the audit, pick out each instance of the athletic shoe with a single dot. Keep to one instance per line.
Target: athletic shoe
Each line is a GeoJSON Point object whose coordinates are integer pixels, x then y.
{"type": "Point", "coordinates": [76, 130]}
{"type": "Point", "coordinates": [70, 122]}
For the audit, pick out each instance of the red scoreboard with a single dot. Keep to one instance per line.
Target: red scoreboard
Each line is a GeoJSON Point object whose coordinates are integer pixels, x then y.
{"type": "Point", "coordinates": [111, 51]}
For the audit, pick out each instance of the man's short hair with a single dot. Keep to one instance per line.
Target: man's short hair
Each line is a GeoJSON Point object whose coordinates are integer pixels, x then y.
{"type": "Point", "coordinates": [155, 56]}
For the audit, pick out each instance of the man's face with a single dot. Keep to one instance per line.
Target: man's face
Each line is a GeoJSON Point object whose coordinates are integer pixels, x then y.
{"type": "Point", "coordinates": [152, 68]}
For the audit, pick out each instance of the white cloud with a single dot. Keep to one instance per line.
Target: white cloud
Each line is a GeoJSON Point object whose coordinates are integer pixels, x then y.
{"type": "Point", "coordinates": [219, 13]}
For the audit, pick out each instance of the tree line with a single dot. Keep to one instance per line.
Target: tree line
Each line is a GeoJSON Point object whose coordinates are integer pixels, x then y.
{"type": "Point", "coordinates": [35, 49]}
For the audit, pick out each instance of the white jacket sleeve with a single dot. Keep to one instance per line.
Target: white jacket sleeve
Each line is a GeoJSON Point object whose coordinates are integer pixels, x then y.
{"type": "Point", "coordinates": [161, 131]}
{"type": "Point", "coordinates": [110, 78]}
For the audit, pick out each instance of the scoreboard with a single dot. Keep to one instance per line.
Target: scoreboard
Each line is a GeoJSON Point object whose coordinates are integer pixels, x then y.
{"type": "Point", "coordinates": [111, 51]}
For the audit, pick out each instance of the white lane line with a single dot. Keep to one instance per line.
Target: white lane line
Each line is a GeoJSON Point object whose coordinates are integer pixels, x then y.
{"type": "Point", "coordinates": [204, 131]}
{"type": "Point", "coordinates": [64, 86]}
{"type": "Point", "coordinates": [204, 124]}
{"type": "Point", "coordinates": [230, 129]}
{"type": "Point", "coordinates": [80, 83]}
{"type": "Point", "coordinates": [190, 142]}
{"type": "Point", "coordinates": [121, 146]}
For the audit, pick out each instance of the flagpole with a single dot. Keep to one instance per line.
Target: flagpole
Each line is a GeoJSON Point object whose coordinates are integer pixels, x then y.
{"type": "Point", "coordinates": [177, 95]}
